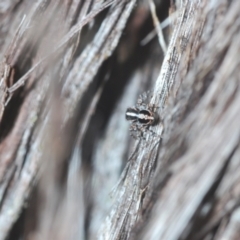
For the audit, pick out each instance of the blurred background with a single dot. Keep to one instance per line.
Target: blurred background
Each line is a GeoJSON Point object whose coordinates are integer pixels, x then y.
{"type": "Point", "coordinates": [74, 67]}
{"type": "Point", "coordinates": [69, 169]}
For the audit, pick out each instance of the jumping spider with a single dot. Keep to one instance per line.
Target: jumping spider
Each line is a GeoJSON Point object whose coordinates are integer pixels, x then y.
{"type": "Point", "coordinates": [141, 117]}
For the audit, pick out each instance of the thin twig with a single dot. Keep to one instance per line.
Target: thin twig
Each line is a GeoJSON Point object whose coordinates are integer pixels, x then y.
{"type": "Point", "coordinates": [64, 41]}
{"type": "Point", "coordinates": [158, 27]}
{"type": "Point", "coordinates": [168, 21]}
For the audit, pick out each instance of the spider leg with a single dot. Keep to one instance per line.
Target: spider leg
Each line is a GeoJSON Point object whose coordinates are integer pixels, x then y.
{"type": "Point", "coordinates": [153, 107]}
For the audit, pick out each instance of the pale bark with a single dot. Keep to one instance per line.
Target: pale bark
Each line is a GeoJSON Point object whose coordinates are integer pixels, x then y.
{"type": "Point", "coordinates": [68, 167]}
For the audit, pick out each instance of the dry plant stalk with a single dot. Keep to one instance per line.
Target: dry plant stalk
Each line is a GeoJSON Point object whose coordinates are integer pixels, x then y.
{"type": "Point", "coordinates": [68, 169]}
